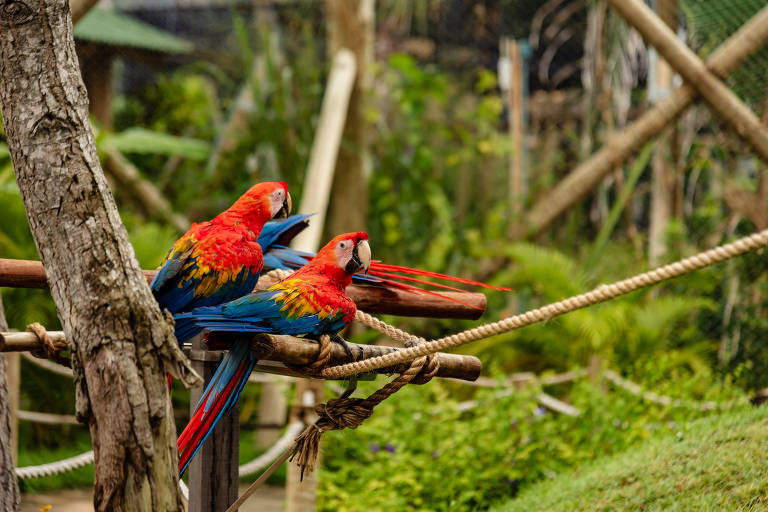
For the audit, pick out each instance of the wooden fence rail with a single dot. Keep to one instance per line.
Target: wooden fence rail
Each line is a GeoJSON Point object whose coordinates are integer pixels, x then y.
{"type": "Point", "coordinates": [373, 299]}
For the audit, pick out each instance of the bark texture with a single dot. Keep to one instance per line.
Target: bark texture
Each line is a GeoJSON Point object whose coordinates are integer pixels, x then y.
{"type": "Point", "coordinates": [122, 345]}
{"type": "Point", "coordinates": [9, 487]}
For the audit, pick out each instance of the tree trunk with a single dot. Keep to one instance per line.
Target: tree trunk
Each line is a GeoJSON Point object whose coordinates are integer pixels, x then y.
{"type": "Point", "coordinates": [350, 25]}
{"type": "Point", "coordinates": [9, 488]}
{"type": "Point", "coordinates": [122, 346]}
{"type": "Point", "coordinates": [663, 163]}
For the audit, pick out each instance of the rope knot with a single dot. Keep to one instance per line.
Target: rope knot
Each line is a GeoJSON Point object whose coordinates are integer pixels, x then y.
{"type": "Point", "coordinates": [320, 362]}
{"type": "Point", "coordinates": [49, 349]}
{"type": "Point", "coordinates": [341, 413]}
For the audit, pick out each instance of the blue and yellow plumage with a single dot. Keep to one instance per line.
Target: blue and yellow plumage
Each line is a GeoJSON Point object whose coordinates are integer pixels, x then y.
{"type": "Point", "coordinates": [311, 302]}
{"type": "Point", "coordinates": [219, 260]}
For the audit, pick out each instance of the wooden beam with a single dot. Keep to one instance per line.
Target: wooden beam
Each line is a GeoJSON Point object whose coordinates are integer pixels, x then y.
{"type": "Point", "coordinates": [286, 349]}
{"type": "Point", "coordinates": [695, 72]}
{"type": "Point", "coordinates": [371, 299]}
{"type": "Point", "coordinates": [325, 148]}
{"type": "Point", "coordinates": [298, 351]}
{"type": "Point", "coordinates": [747, 40]}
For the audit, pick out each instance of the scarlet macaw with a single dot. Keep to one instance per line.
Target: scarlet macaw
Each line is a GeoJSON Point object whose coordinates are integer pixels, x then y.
{"type": "Point", "coordinates": [220, 260]}
{"type": "Point", "coordinates": [277, 234]}
{"type": "Point", "coordinates": [311, 302]}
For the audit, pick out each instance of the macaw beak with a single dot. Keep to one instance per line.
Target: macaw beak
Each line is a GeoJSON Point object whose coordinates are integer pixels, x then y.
{"type": "Point", "coordinates": [285, 210]}
{"type": "Point", "coordinates": [361, 258]}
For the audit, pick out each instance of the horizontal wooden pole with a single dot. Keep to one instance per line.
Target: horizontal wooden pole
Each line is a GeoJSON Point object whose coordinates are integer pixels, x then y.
{"type": "Point", "coordinates": [25, 341]}
{"type": "Point", "coordinates": [299, 351]}
{"type": "Point", "coordinates": [284, 350]}
{"type": "Point", "coordinates": [371, 299]}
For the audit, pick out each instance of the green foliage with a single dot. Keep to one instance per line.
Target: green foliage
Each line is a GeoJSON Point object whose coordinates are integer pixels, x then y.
{"type": "Point", "coordinates": [626, 331]}
{"type": "Point", "coordinates": [81, 477]}
{"type": "Point", "coordinates": [143, 141]}
{"type": "Point", "coordinates": [436, 163]}
{"type": "Point", "coordinates": [715, 463]}
{"type": "Point", "coordinates": [420, 452]}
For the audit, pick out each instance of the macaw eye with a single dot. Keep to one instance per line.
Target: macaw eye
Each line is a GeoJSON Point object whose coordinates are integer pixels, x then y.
{"type": "Point", "coordinates": [342, 245]}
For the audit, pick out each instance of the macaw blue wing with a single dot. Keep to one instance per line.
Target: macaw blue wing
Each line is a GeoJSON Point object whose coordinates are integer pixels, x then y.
{"type": "Point", "coordinates": [282, 231]}
{"type": "Point", "coordinates": [189, 278]}
{"type": "Point", "coordinates": [281, 309]}
{"type": "Point", "coordinates": [286, 258]}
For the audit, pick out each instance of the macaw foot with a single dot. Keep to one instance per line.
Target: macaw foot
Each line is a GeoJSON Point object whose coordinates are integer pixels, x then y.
{"type": "Point", "coordinates": [348, 348]}
{"type": "Point", "coordinates": [351, 387]}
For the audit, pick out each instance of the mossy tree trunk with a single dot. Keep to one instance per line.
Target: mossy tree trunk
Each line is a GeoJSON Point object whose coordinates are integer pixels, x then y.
{"type": "Point", "coordinates": [122, 345]}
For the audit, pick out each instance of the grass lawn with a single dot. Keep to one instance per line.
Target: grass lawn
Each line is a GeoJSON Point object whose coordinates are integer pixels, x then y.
{"type": "Point", "coordinates": [718, 463]}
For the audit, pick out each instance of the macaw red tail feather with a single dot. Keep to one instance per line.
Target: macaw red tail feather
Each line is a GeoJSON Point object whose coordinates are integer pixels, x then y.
{"type": "Point", "coordinates": [416, 289]}
{"type": "Point", "coordinates": [219, 396]}
{"type": "Point", "coordinates": [378, 266]}
{"type": "Point", "coordinates": [391, 279]}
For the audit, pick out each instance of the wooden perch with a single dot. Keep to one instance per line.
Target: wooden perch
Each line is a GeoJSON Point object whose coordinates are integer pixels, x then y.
{"type": "Point", "coordinates": [285, 350]}
{"type": "Point", "coordinates": [298, 351]}
{"type": "Point", "coordinates": [371, 299]}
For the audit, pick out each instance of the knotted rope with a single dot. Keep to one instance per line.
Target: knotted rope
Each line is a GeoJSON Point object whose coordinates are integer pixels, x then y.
{"type": "Point", "coordinates": [341, 413]}
{"type": "Point", "coordinates": [600, 294]}
{"type": "Point", "coordinates": [49, 349]}
{"type": "Point", "coordinates": [320, 362]}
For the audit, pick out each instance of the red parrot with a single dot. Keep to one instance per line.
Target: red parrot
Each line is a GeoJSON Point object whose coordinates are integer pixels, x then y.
{"type": "Point", "coordinates": [220, 260]}
{"type": "Point", "coordinates": [311, 302]}
{"type": "Point", "coordinates": [277, 234]}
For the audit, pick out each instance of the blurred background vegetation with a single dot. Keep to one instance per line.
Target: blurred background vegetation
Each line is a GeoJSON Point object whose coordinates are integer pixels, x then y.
{"type": "Point", "coordinates": [220, 96]}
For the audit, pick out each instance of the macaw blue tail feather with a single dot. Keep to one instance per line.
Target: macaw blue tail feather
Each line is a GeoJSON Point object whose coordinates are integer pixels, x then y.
{"type": "Point", "coordinates": [221, 394]}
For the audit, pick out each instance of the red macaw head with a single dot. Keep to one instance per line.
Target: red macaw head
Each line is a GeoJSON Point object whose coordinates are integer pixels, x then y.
{"type": "Point", "coordinates": [343, 256]}
{"type": "Point", "coordinates": [261, 203]}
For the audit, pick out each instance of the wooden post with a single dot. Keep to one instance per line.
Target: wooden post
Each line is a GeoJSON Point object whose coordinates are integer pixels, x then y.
{"type": "Point", "coordinates": [595, 371]}
{"type": "Point", "coordinates": [97, 77]}
{"type": "Point", "coordinates": [581, 180]}
{"type": "Point", "coordinates": [30, 274]}
{"type": "Point", "coordinates": [351, 25]}
{"type": "Point", "coordinates": [664, 167]}
{"type": "Point", "coordinates": [301, 495]}
{"type": "Point", "coordinates": [272, 408]}
{"type": "Point", "coordinates": [213, 473]}
{"type": "Point", "coordinates": [325, 148]}
{"type": "Point", "coordinates": [513, 85]}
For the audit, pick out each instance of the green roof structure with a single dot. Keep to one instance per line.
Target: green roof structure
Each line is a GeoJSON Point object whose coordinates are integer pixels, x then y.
{"type": "Point", "coordinates": [118, 29]}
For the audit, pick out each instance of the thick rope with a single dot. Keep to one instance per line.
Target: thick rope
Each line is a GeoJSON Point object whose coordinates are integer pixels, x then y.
{"type": "Point", "coordinates": [54, 468]}
{"type": "Point", "coordinates": [341, 413]}
{"type": "Point", "coordinates": [49, 349]}
{"type": "Point", "coordinates": [599, 294]}
{"type": "Point", "coordinates": [323, 357]}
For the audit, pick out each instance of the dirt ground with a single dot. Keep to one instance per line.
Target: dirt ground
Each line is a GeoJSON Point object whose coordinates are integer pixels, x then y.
{"type": "Point", "coordinates": [266, 499]}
